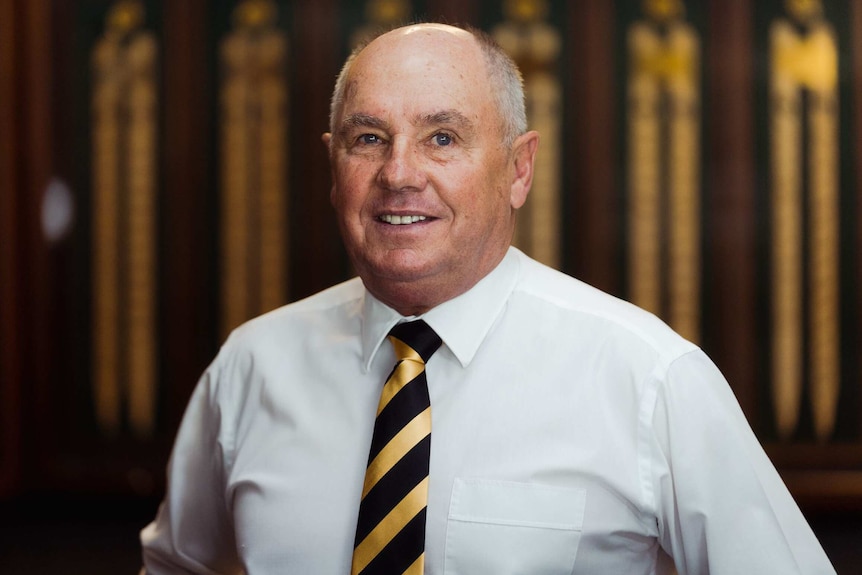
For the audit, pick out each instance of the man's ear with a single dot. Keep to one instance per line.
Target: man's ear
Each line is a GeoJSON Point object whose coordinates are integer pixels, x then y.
{"type": "Point", "coordinates": [326, 138]}
{"type": "Point", "coordinates": [524, 159]}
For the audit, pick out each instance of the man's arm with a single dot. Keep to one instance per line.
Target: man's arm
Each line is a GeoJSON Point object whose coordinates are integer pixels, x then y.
{"type": "Point", "coordinates": [192, 532]}
{"type": "Point", "coordinates": [722, 506]}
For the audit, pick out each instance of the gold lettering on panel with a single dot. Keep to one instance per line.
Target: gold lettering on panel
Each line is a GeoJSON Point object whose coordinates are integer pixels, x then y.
{"type": "Point", "coordinates": [254, 151]}
{"type": "Point", "coordinates": [535, 45]}
{"type": "Point", "coordinates": [664, 166]}
{"type": "Point", "coordinates": [124, 173]}
{"type": "Point", "coordinates": [804, 63]}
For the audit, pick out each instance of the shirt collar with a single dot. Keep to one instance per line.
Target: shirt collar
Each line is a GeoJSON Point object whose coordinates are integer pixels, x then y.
{"type": "Point", "coordinates": [462, 322]}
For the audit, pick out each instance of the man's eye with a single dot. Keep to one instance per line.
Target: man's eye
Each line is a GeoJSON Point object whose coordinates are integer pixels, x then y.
{"type": "Point", "coordinates": [369, 139]}
{"type": "Point", "coordinates": [442, 139]}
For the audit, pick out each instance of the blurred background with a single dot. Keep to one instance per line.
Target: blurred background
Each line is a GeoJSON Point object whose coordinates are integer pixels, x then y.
{"type": "Point", "coordinates": [162, 179]}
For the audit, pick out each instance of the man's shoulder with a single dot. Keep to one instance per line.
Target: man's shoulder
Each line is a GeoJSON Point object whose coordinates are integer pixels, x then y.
{"type": "Point", "coordinates": [332, 297]}
{"type": "Point", "coordinates": [334, 305]}
{"type": "Point", "coordinates": [274, 346]}
{"type": "Point", "coordinates": [564, 295]}
{"type": "Point", "coordinates": [569, 293]}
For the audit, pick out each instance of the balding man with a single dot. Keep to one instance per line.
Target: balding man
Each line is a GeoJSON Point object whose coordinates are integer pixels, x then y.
{"type": "Point", "coordinates": [532, 424]}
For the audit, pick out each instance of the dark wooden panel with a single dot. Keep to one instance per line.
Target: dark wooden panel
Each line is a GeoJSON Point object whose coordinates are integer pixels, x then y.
{"type": "Point", "coordinates": [729, 206]}
{"type": "Point", "coordinates": [189, 204]}
{"type": "Point", "coordinates": [593, 249]}
{"type": "Point", "coordinates": [10, 379]}
{"type": "Point", "coordinates": [856, 57]}
{"type": "Point", "coordinates": [38, 287]}
{"type": "Point", "coordinates": [317, 256]}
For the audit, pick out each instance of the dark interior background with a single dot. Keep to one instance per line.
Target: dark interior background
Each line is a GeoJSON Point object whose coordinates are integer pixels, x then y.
{"type": "Point", "coordinates": [73, 498]}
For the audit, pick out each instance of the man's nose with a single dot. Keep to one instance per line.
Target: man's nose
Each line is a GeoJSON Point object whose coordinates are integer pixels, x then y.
{"type": "Point", "coordinates": [402, 168]}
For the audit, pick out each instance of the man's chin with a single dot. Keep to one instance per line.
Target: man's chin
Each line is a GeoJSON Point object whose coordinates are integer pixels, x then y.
{"type": "Point", "coordinates": [398, 266]}
{"type": "Point", "coordinates": [397, 272]}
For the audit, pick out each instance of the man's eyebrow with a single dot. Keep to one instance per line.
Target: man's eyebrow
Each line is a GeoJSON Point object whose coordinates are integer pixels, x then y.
{"type": "Point", "coordinates": [445, 117]}
{"type": "Point", "coordinates": [441, 118]}
{"type": "Point", "coordinates": [362, 121]}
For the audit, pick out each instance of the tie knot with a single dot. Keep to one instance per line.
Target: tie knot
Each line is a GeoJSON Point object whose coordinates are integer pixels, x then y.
{"type": "Point", "coordinates": [419, 336]}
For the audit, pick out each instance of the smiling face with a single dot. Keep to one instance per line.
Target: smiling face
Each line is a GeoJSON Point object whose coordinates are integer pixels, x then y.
{"type": "Point", "coordinates": [424, 188]}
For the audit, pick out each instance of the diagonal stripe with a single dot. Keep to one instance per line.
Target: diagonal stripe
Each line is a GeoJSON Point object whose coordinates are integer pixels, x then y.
{"type": "Point", "coordinates": [402, 550]}
{"type": "Point", "coordinates": [386, 530]}
{"type": "Point", "coordinates": [406, 405]}
{"type": "Point", "coordinates": [404, 351]}
{"type": "Point", "coordinates": [409, 436]}
{"type": "Point", "coordinates": [418, 566]}
{"type": "Point", "coordinates": [404, 373]}
{"type": "Point", "coordinates": [392, 487]}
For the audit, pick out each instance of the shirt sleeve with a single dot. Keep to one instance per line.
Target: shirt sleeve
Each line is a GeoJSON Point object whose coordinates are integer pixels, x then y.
{"type": "Point", "coordinates": [192, 532]}
{"type": "Point", "coordinates": [722, 507]}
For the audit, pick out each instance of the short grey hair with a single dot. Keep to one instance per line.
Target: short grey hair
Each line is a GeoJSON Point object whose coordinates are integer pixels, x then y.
{"type": "Point", "coordinates": [505, 82]}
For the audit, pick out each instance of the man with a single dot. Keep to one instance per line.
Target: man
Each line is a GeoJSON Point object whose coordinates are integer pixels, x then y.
{"type": "Point", "coordinates": [570, 431]}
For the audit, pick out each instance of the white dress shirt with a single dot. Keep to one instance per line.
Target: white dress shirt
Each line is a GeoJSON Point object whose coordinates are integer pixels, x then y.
{"type": "Point", "coordinates": [572, 433]}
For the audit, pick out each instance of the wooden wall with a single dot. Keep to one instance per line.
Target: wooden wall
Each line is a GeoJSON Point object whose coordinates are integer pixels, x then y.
{"type": "Point", "coordinates": [50, 439]}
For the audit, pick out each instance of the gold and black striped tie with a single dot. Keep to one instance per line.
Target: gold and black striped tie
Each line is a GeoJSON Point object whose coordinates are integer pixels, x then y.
{"type": "Point", "coordinates": [390, 532]}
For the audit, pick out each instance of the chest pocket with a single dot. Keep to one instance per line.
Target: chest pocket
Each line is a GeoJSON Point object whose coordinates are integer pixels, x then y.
{"type": "Point", "coordinates": [506, 528]}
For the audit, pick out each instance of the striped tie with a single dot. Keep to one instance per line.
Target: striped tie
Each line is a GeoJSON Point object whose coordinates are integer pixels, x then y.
{"type": "Point", "coordinates": [390, 533]}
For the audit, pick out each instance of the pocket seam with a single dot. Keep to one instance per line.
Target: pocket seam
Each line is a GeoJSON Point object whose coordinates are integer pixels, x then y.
{"type": "Point", "coordinates": [514, 522]}
{"type": "Point", "coordinates": [464, 486]}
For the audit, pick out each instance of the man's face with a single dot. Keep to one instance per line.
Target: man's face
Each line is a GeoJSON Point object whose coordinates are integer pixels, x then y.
{"type": "Point", "coordinates": [422, 183]}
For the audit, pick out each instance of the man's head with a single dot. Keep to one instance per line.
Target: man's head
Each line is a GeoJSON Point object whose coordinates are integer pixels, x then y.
{"type": "Point", "coordinates": [428, 127]}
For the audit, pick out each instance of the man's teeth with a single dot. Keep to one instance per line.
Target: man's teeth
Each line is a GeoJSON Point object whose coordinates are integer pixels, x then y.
{"type": "Point", "coordinates": [399, 220]}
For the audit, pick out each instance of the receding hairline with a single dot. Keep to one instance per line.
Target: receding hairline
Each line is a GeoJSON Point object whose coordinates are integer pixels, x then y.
{"type": "Point", "coordinates": [500, 71]}
{"type": "Point", "coordinates": [468, 35]}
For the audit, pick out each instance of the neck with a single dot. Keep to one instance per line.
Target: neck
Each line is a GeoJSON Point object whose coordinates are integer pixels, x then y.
{"type": "Point", "coordinates": [416, 297]}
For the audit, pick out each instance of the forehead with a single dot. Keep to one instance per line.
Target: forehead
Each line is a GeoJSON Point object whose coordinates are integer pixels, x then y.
{"type": "Point", "coordinates": [419, 71]}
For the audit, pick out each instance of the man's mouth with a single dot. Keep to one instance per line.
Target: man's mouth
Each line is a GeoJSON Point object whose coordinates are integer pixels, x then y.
{"type": "Point", "coordinates": [400, 220]}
